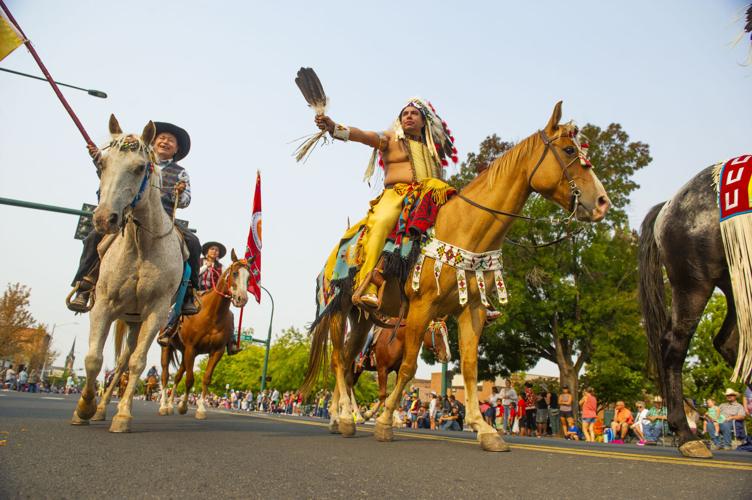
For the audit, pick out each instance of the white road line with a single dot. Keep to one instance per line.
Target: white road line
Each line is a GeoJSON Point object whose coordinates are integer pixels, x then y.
{"type": "Point", "coordinates": [50, 397]}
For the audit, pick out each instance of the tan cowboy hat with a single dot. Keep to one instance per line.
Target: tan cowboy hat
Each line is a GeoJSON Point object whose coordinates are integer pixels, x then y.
{"type": "Point", "coordinates": [657, 399]}
{"type": "Point", "coordinates": [730, 392]}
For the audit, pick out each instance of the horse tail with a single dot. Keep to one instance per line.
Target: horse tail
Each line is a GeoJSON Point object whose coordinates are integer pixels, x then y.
{"type": "Point", "coordinates": [173, 354]}
{"type": "Point", "coordinates": [652, 294]}
{"type": "Point", "coordinates": [120, 330]}
{"type": "Point", "coordinates": [317, 357]}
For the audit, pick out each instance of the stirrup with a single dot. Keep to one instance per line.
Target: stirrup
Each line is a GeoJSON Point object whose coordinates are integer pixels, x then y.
{"type": "Point", "coordinates": [76, 307]}
{"type": "Point", "coordinates": [167, 333]}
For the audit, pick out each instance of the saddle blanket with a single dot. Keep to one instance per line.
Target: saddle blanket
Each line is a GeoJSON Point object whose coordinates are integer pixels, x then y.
{"type": "Point", "coordinates": [735, 187]}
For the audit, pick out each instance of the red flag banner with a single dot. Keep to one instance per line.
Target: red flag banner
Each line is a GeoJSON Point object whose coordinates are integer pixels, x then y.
{"type": "Point", "coordinates": [253, 246]}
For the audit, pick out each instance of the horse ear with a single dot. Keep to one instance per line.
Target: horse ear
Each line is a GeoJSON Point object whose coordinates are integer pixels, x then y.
{"type": "Point", "coordinates": [233, 255]}
{"type": "Point", "coordinates": [150, 131]}
{"type": "Point", "coordinates": [115, 126]}
{"type": "Point", "coordinates": [553, 122]}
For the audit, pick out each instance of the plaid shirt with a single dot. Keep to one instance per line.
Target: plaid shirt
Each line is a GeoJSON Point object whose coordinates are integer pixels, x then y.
{"type": "Point", "coordinates": [172, 173]}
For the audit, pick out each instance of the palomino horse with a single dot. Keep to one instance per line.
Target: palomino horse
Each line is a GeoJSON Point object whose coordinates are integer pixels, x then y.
{"type": "Point", "coordinates": [683, 235]}
{"type": "Point", "coordinates": [548, 162]}
{"type": "Point", "coordinates": [208, 332]}
{"type": "Point", "coordinates": [139, 272]}
{"type": "Point", "coordinates": [388, 352]}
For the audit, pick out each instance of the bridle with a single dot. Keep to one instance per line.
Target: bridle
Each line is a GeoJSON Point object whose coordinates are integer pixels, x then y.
{"type": "Point", "coordinates": [433, 347]}
{"type": "Point", "coordinates": [138, 146]}
{"type": "Point", "coordinates": [228, 280]}
{"type": "Point", "coordinates": [575, 191]}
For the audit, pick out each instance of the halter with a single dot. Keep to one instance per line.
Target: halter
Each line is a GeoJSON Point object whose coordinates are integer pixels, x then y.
{"type": "Point", "coordinates": [149, 168]}
{"type": "Point", "coordinates": [243, 263]}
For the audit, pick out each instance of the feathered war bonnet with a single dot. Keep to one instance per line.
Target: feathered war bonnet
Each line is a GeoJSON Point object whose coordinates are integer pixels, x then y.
{"type": "Point", "coordinates": [436, 133]}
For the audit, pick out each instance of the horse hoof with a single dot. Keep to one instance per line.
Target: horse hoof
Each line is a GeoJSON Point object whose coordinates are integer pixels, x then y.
{"type": "Point", "coordinates": [170, 410]}
{"type": "Point", "coordinates": [121, 424]}
{"type": "Point", "coordinates": [86, 408]}
{"type": "Point", "coordinates": [695, 449]}
{"type": "Point", "coordinates": [334, 427]}
{"type": "Point", "coordinates": [200, 415]}
{"type": "Point", "coordinates": [183, 409]}
{"type": "Point", "coordinates": [383, 432]}
{"type": "Point", "coordinates": [100, 415]}
{"type": "Point", "coordinates": [491, 441]}
{"type": "Point", "coordinates": [76, 420]}
{"type": "Point", "coordinates": [163, 411]}
{"type": "Point", "coordinates": [347, 428]}
{"type": "Point", "coordinates": [368, 415]}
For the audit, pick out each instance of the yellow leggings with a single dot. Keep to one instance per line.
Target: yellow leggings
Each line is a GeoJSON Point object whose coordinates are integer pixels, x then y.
{"type": "Point", "coordinates": [380, 221]}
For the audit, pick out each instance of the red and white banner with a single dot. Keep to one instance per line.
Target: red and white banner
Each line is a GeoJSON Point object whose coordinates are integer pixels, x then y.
{"type": "Point", "coordinates": [736, 187]}
{"type": "Point", "coordinates": [253, 246]}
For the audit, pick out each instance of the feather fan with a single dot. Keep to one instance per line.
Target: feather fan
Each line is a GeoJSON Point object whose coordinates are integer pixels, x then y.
{"type": "Point", "coordinates": [313, 92]}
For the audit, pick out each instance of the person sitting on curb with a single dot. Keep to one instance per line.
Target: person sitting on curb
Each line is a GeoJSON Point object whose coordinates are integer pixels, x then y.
{"type": "Point", "coordinates": [622, 421]}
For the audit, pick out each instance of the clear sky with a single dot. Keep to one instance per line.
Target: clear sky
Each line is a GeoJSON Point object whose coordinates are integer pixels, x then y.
{"type": "Point", "coordinates": [225, 71]}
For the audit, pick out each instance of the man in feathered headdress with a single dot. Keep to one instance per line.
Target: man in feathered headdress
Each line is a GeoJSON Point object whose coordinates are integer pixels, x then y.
{"type": "Point", "coordinates": [413, 154]}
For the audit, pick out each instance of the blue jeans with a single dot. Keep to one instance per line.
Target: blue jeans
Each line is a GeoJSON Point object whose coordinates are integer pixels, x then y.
{"type": "Point", "coordinates": [507, 423]}
{"type": "Point", "coordinates": [653, 430]}
{"type": "Point", "coordinates": [450, 425]}
{"type": "Point", "coordinates": [729, 428]}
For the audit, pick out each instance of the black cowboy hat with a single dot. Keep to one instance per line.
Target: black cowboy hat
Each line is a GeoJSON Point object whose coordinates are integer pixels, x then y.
{"type": "Point", "coordinates": [206, 246]}
{"type": "Point", "coordinates": [184, 140]}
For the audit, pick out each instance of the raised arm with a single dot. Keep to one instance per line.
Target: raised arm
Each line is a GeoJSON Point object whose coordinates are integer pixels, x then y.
{"type": "Point", "coordinates": [345, 133]}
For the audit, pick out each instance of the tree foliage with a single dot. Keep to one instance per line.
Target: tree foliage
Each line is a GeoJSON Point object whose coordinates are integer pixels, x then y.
{"type": "Point", "coordinates": [288, 359]}
{"type": "Point", "coordinates": [14, 317]}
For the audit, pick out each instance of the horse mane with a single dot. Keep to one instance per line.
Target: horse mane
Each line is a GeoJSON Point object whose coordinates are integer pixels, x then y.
{"type": "Point", "coordinates": [509, 159]}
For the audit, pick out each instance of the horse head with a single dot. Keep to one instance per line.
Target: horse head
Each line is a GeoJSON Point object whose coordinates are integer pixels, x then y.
{"type": "Point", "coordinates": [563, 173]}
{"type": "Point", "coordinates": [238, 275]}
{"type": "Point", "coordinates": [125, 170]}
{"type": "Point", "coordinates": [436, 339]}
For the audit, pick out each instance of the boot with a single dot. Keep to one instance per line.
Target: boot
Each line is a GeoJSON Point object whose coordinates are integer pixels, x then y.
{"type": "Point", "coordinates": [232, 348]}
{"type": "Point", "coordinates": [83, 291]}
{"type": "Point", "coordinates": [189, 304]}
{"type": "Point", "coordinates": [166, 333]}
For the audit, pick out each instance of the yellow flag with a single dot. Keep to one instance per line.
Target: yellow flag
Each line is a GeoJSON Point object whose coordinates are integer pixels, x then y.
{"type": "Point", "coordinates": [10, 38]}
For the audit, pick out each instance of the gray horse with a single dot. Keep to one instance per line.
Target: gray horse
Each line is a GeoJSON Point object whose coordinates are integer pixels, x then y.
{"type": "Point", "coordinates": [141, 269]}
{"type": "Point", "coordinates": [683, 236]}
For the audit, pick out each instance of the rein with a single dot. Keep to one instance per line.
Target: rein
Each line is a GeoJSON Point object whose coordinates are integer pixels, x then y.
{"type": "Point", "coordinates": [243, 262]}
{"type": "Point", "coordinates": [574, 189]}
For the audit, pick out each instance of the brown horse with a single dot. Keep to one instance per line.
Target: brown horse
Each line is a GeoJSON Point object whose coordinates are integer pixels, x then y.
{"type": "Point", "coordinates": [208, 332]}
{"type": "Point", "coordinates": [388, 352]}
{"type": "Point", "coordinates": [547, 162]}
{"type": "Point", "coordinates": [151, 386]}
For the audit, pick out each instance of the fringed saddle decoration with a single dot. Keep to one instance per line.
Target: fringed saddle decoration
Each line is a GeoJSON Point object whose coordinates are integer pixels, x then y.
{"type": "Point", "coordinates": [462, 260]}
{"type": "Point", "coordinates": [733, 182]}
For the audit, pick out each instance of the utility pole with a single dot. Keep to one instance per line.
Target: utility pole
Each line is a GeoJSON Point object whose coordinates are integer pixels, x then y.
{"type": "Point", "coordinates": [268, 343]}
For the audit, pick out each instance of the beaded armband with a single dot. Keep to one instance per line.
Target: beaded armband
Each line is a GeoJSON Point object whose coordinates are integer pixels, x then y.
{"type": "Point", "coordinates": [341, 132]}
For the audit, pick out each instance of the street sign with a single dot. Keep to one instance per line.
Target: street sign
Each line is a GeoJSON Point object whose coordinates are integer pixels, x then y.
{"type": "Point", "coordinates": [246, 338]}
{"type": "Point", "coordinates": [85, 222]}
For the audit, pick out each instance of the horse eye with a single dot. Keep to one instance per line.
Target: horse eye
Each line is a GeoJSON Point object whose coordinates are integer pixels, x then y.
{"type": "Point", "coordinates": [140, 169]}
{"type": "Point", "coordinates": [569, 150]}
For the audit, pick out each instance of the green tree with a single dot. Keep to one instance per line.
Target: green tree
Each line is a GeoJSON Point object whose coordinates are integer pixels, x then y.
{"type": "Point", "coordinates": [288, 359]}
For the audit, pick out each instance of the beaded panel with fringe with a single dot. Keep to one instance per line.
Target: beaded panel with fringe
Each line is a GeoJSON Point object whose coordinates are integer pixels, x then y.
{"type": "Point", "coordinates": [733, 183]}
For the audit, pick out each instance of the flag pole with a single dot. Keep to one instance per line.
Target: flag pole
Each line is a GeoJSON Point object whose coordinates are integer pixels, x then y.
{"type": "Point", "coordinates": [240, 324]}
{"type": "Point", "coordinates": [47, 75]}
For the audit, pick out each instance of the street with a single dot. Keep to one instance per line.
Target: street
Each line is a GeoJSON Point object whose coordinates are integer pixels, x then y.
{"type": "Point", "coordinates": [252, 456]}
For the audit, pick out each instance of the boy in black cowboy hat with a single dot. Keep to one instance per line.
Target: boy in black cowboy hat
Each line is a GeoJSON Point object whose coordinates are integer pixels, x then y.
{"type": "Point", "coordinates": [171, 144]}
